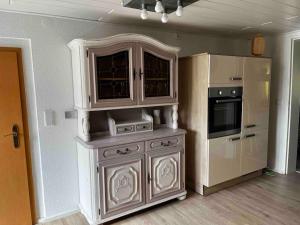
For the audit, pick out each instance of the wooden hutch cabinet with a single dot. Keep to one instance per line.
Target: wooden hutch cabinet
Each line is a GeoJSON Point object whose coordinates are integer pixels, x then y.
{"type": "Point", "coordinates": [131, 154]}
{"type": "Point", "coordinates": [116, 72]}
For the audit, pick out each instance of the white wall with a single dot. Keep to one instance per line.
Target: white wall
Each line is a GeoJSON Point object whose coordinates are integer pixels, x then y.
{"type": "Point", "coordinates": [53, 84]}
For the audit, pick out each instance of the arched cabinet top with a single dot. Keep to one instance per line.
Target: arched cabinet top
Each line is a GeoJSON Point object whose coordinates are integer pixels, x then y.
{"type": "Point", "coordinates": [121, 38]}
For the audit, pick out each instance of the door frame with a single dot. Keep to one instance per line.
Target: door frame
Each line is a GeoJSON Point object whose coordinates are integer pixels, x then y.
{"type": "Point", "coordinates": [291, 151]}
{"type": "Point", "coordinates": [18, 51]}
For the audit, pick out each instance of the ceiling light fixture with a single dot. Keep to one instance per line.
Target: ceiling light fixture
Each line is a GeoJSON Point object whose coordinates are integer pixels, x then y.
{"type": "Point", "coordinates": [110, 11]}
{"type": "Point", "coordinates": [291, 17]}
{"type": "Point", "coordinates": [266, 23]}
{"type": "Point", "coordinates": [163, 7]}
{"type": "Point", "coordinates": [144, 13]}
{"type": "Point", "coordinates": [247, 28]}
{"type": "Point", "coordinates": [179, 10]}
{"type": "Point", "coordinates": [164, 17]}
{"type": "Point", "coordinates": [159, 7]}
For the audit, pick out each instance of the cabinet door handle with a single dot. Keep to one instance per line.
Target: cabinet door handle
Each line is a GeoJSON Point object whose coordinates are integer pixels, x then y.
{"type": "Point", "coordinates": [250, 126]}
{"type": "Point", "coordinates": [149, 178]}
{"type": "Point", "coordinates": [236, 78]}
{"type": "Point", "coordinates": [234, 139]}
{"type": "Point", "coordinates": [250, 135]}
{"type": "Point", "coordinates": [166, 144]}
{"type": "Point", "coordinates": [127, 150]}
{"type": "Point", "coordinates": [141, 73]}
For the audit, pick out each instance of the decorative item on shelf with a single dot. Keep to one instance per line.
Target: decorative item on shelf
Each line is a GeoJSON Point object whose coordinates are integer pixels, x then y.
{"type": "Point", "coordinates": [258, 45]}
{"type": "Point", "coordinates": [156, 117]}
{"type": "Point", "coordinates": [163, 7]}
{"type": "Point", "coordinates": [144, 13]}
{"type": "Point", "coordinates": [121, 127]}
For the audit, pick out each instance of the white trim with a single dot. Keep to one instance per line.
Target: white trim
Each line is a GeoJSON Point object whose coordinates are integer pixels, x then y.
{"type": "Point", "coordinates": [291, 64]}
{"type": "Point", "coordinates": [58, 216]}
{"type": "Point", "coordinates": [30, 91]}
{"type": "Point", "coordinates": [121, 38]}
{"type": "Point", "coordinates": [291, 37]}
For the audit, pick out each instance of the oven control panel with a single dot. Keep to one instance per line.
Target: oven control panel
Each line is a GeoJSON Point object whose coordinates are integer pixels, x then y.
{"type": "Point", "coordinates": [225, 92]}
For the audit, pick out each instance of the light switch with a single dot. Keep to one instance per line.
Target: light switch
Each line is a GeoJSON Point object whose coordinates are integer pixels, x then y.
{"type": "Point", "coordinates": [49, 118]}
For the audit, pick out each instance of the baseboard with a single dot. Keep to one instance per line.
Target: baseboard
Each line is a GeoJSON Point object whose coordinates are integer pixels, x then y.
{"type": "Point", "coordinates": [230, 183]}
{"type": "Point", "coordinates": [57, 216]}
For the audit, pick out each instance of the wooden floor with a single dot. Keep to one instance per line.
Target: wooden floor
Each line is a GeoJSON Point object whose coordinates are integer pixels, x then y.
{"type": "Point", "coordinates": [263, 201]}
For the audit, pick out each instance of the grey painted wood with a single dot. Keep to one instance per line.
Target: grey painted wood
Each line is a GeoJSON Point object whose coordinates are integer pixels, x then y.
{"type": "Point", "coordinates": [164, 173]}
{"type": "Point", "coordinates": [96, 102]}
{"type": "Point", "coordinates": [164, 143]}
{"type": "Point", "coordinates": [121, 185]}
{"type": "Point", "coordinates": [136, 78]}
{"type": "Point", "coordinates": [120, 151]}
{"type": "Point", "coordinates": [173, 59]}
{"type": "Point", "coordinates": [108, 141]}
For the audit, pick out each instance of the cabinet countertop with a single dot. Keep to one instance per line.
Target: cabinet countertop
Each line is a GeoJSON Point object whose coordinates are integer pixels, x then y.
{"type": "Point", "coordinates": [108, 141]}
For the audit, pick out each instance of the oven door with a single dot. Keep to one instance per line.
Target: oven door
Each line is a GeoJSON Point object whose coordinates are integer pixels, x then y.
{"type": "Point", "coordinates": [224, 116]}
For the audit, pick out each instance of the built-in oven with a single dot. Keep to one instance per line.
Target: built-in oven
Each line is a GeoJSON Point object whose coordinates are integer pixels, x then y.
{"type": "Point", "coordinates": [224, 111]}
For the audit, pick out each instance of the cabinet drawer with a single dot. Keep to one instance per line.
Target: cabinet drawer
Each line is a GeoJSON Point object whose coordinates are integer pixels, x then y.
{"type": "Point", "coordinates": [143, 127]}
{"type": "Point", "coordinates": [164, 143]}
{"type": "Point", "coordinates": [125, 129]}
{"type": "Point", "coordinates": [120, 151]}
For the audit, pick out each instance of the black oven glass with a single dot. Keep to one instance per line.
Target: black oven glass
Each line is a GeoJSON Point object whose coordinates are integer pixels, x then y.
{"type": "Point", "coordinates": [225, 113]}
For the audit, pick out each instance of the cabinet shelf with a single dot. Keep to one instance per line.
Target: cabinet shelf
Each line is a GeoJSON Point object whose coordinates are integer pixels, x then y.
{"type": "Point", "coordinates": [112, 79]}
{"type": "Point", "coordinates": [157, 79]}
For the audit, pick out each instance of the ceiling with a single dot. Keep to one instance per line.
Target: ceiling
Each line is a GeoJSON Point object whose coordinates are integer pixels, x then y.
{"type": "Point", "coordinates": [227, 16]}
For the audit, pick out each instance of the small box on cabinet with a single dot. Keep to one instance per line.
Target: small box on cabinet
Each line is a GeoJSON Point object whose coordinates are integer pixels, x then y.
{"type": "Point", "coordinates": [118, 126]}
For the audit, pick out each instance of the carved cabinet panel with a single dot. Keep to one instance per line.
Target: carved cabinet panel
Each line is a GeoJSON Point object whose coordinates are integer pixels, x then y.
{"type": "Point", "coordinates": [121, 185]}
{"type": "Point", "coordinates": [164, 174]}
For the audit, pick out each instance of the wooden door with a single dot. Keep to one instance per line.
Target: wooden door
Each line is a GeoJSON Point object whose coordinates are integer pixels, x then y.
{"type": "Point", "coordinates": [14, 200]}
{"type": "Point", "coordinates": [112, 76]}
{"type": "Point", "coordinates": [226, 71]}
{"type": "Point", "coordinates": [254, 151]}
{"type": "Point", "coordinates": [164, 173]}
{"type": "Point", "coordinates": [256, 97]}
{"type": "Point", "coordinates": [224, 159]}
{"type": "Point", "coordinates": [157, 74]}
{"type": "Point", "coordinates": [121, 185]}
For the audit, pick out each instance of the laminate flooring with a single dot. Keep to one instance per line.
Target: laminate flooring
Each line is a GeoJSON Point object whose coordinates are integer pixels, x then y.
{"type": "Point", "coordinates": [266, 200]}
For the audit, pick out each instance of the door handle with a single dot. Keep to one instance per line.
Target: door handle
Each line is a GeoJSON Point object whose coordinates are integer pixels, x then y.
{"type": "Point", "coordinates": [15, 135]}
{"type": "Point", "coordinates": [250, 126]}
{"type": "Point", "coordinates": [141, 74]}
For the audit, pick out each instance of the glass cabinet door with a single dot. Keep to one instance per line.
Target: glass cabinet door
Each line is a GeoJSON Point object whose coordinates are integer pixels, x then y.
{"type": "Point", "coordinates": [112, 80]}
{"type": "Point", "coordinates": [158, 71]}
